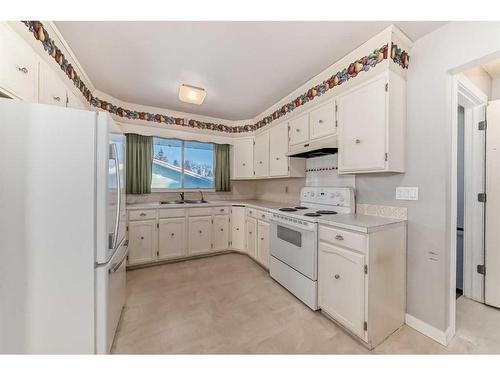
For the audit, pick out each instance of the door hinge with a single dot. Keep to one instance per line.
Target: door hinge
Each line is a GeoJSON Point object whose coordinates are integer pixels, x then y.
{"type": "Point", "coordinates": [366, 269]}
{"type": "Point", "coordinates": [365, 326]}
{"type": "Point", "coordinates": [386, 87]}
{"type": "Point", "coordinates": [127, 228]}
{"type": "Point", "coordinates": [481, 197]}
{"type": "Point", "coordinates": [157, 253]}
{"type": "Point", "coordinates": [212, 221]}
{"type": "Point", "coordinates": [212, 246]}
{"type": "Point", "coordinates": [386, 156]}
{"type": "Point", "coordinates": [288, 168]}
{"type": "Point", "coordinates": [157, 225]}
{"type": "Point", "coordinates": [481, 268]}
{"type": "Point", "coordinates": [336, 123]}
{"type": "Point", "coordinates": [482, 125]}
{"type": "Point", "coordinates": [336, 108]}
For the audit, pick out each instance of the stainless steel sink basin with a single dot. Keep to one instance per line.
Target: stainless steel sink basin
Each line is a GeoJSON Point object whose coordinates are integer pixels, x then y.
{"type": "Point", "coordinates": [172, 202]}
{"type": "Point", "coordinates": [188, 201]}
{"type": "Point", "coordinates": [195, 201]}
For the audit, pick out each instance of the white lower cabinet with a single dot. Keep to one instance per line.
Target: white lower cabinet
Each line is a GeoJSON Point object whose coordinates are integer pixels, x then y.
{"type": "Point", "coordinates": [221, 232]}
{"type": "Point", "coordinates": [142, 241]}
{"type": "Point", "coordinates": [172, 238]}
{"type": "Point", "coordinates": [199, 235]}
{"type": "Point", "coordinates": [263, 243]}
{"type": "Point", "coordinates": [238, 228]}
{"type": "Point", "coordinates": [362, 279]}
{"type": "Point", "coordinates": [252, 237]}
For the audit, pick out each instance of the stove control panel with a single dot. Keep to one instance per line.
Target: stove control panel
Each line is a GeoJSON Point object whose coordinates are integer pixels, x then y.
{"type": "Point", "coordinates": [331, 196]}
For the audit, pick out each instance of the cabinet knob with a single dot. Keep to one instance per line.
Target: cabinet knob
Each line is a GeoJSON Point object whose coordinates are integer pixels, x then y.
{"type": "Point", "coordinates": [172, 234]}
{"type": "Point", "coordinates": [221, 210]}
{"type": "Point", "coordinates": [237, 228]}
{"type": "Point", "coordinates": [249, 232]}
{"type": "Point", "coordinates": [357, 141]}
{"type": "Point", "coordinates": [263, 216]}
{"type": "Point", "coordinates": [200, 231]}
{"type": "Point", "coordinates": [142, 214]}
{"type": "Point", "coordinates": [277, 158]}
{"type": "Point", "coordinates": [297, 130]}
{"type": "Point", "coordinates": [320, 121]}
{"type": "Point", "coordinates": [244, 164]}
{"type": "Point", "coordinates": [337, 276]}
{"type": "Point", "coordinates": [22, 69]}
{"type": "Point", "coordinates": [142, 238]}
{"type": "Point", "coordinates": [260, 162]}
{"type": "Point", "coordinates": [57, 98]}
{"type": "Point", "coordinates": [339, 237]}
{"type": "Point", "coordinates": [221, 229]}
{"type": "Point", "coordinates": [262, 238]}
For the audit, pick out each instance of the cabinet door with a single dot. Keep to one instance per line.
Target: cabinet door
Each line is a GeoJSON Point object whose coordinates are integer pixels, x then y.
{"type": "Point", "coordinates": [252, 237]}
{"type": "Point", "coordinates": [221, 232]}
{"type": "Point", "coordinates": [299, 130]}
{"type": "Point", "coordinates": [263, 243]}
{"type": "Point", "coordinates": [322, 121]}
{"type": "Point", "coordinates": [18, 66]}
{"type": "Point", "coordinates": [261, 155]}
{"type": "Point", "coordinates": [74, 101]}
{"type": "Point", "coordinates": [278, 147]}
{"type": "Point", "coordinates": [171, 238]}
{"type": "Point", "coordinates": [200, 235]}
{"type": "Point", "coordinates": [341, 286]}
{"type": "Point", "coordinates": [238, 228]}
{"type": "Point", "coordinates": [51, 89]}
{"type": "Point", "coordinates": [361, 116]}
{"type": "Point", "coordinates": [141, 241]}
{"type": "Point", "coordinates": [243, 158]}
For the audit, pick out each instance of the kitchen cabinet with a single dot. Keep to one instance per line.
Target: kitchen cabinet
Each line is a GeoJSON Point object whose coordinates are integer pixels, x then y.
{"type": "Point", "coordinates": [371, 126]}
{"type": "Point", "coordinates": [261, 155]}
{"type": "Point", "coordinates": [243, 158]}
{"type": "Point", "coordinates": [238, 228]}
{"type": "Point", "coordinates": [18, 66]}
{"type": "Point", "coordinates": [322, 121]}
{"type": "Point", "coordinates": [73, 101]}
{"type": "Point", "coordinates": [51, 90]}
{"type": "Point", "coordinates": [278, 161]}
{"type": "Point", "coordinates": [362, 279]}
{"type": "Point", "coordinates": [252, 237]}
{"type": "Point", "coordinates": [172, 238]}
{"type": "Point", "coordinates": [221, 232]}
{"type": "Point", "coordinates": [142, 243]}
{"type": "Point", "coordinates": [263, 243]}
{"type": "Point", "coordinates": [299, 129]}
{"type": "Point", "coordinates": [200, 235]}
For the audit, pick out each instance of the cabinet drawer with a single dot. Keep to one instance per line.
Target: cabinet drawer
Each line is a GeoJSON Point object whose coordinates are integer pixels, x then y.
{"type": "Point", "coordinates": [263, 215]}
{"type": "Point", "coordinates": [342, 238]}
{"type": "Point", "coordinates": [200, 211]}
{"type": "Point", "coordinates": [252, 212]}
{"type": "Point", "coordinates": [221, 210]}
{"type": "Point", "coordinates": [172, 212]}
{"type": "Point", "coordinates": [142, 214]}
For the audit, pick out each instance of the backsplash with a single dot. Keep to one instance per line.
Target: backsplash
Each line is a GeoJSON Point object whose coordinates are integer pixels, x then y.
{"type": "Point", "coordinates": [391, 212]}
{"type": "Point", "coordinates": [322, 171]}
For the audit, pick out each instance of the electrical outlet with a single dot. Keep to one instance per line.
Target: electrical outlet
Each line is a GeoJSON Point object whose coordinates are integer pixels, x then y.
{"type": "Point", "coordinates": [407, 193]}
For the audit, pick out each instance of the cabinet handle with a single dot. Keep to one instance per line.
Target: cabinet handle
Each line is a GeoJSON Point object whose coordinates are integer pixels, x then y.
{"type": "Point", "coordinates": [22, 69]}
{"type": "Point", "coordinates": [221, 210]}
{"type": "Point", "coordinates": [200, 231]}
{"type": "Point", "coordinates": [249, 232]}
{"type": "Point", "coordinates": [244, 164]}
{"type": "Point", "coordinates": [172, 234]}
{"type": "Point", "coordinates": [260, 162]}
{"type": "Point", "coordinates": [237, 228]}
{"type": "Point", "coordinates": [297, 130]}
{"type": "Point", "coordinates": [339, 237]}
{"type": "Point", "coordinates": [262, 238]}
{"type": "Point", "coordinates": [306, 145]}
{"type": "Point", "coordinates": [142, 238]}
{"type": "Point", "coordinates": [320, 121]}
{"type": "Point", "coordinates": [277, 158]}
{"type": "Point", "coordinates": [263, 216]}
{"type": "Point", "coordinates": [357, 141]}
{"type": "Point", "coordinates": [221, 229]}
{"type": "Point", "coordinates": [142, 214]}
{"type": "Point", "coordinates": [57, 98]}
{"type": "Point", "coordinates": [337, 276]}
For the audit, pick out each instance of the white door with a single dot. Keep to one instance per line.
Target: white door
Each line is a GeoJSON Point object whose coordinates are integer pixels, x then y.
{"type": "Point", "coordinates": [221, 232]}
{"type": "Point", "coordinates": [263, 243]}
{"type": "Point", "coordinates": [322, 121]}
{"type": "Point", "coordinates": [261, 155]}
{"type": "Point", "coordinates": [141, 241]}
{"type": "Point", "coordinates": [200, 235]}
{"type": "Point", "coordinates": [238, 228]}
{"type": "Point", "coordinates": [51, 89]}
{"type": "Point", "coordinates": [252, 237]}
{"type": "Point", "coordinates": [243, 158]}
{"type": "Point", "coordinates": [299, 130]}
{"type": "Point", "coordinates": [171, 238]}
{"type": "Point", "coordinates": [361, 116]}
{"type": "Point", "coordinates": [278, 147]}
{"type": "Point", "coordinates": [341, 286]}
{"type": "Point", "coordinates": [492, 223]}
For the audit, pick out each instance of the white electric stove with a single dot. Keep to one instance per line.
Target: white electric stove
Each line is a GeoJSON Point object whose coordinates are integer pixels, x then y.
{"type": "Point", "coordinates": [294, 238]}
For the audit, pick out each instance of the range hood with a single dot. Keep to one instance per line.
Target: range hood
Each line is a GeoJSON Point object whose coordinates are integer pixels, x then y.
{"type": "Point", "coordinates": [312, 149]}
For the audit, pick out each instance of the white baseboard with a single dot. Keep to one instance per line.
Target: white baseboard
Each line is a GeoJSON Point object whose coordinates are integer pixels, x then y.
{"type": "Point", "coordinates": [442, 337]}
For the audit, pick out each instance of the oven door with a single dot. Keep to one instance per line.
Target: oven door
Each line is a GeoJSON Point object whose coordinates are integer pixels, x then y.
{"type": "Point", "coordinates": [295, 247]}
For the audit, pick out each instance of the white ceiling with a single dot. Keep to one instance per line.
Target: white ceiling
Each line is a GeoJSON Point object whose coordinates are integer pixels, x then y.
{"type": "Point", "coordinates": [493, 68]}
{"type": "Point", "coordinates": [244, 66]}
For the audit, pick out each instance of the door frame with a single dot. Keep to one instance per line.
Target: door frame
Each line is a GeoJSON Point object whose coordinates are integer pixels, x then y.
{"type": "Point", "coordinates": [466, 94]}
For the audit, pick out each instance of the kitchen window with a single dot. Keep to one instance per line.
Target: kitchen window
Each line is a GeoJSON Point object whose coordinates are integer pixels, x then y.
{"type": "Point", "coordinates": [179, 165]}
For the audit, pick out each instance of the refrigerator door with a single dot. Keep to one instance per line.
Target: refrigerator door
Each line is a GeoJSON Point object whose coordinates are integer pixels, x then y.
{"type": "Point", "coordinates": [111, 215]}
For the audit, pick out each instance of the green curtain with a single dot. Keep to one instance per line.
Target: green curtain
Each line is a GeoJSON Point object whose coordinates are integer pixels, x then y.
{"type": "Point", "coordinates": [222, 168]}
{"type": "Point", "coordinates": [139, 164]}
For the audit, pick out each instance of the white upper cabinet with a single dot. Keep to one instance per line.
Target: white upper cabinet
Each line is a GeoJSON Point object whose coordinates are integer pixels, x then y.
{"type": "Point", "coordinates": [261, 152]}
{"type": "Point", "coordinates": [322, 121]}
{"type": "Point", "coordinates": [243, 158]}
{"type": "Point", "coordinates": [18, 66]}
{"type": "Point", "coordinates": [299, 129]}
{"type": "Point", "coordinates": [74, 102]}
{"type": "Point", "coordinates": [371, 123]}
{"type": "Point", "coordinates": [51, 90]}
{"type": "Point", "coordinates": [278, 147]}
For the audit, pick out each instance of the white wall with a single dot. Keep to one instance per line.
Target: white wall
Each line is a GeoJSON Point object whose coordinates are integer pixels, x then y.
{"type": "Point", "coordinates": [480, 78]}
{"type": "Point", "coordinates": [495, 89]}
{"type": "Point", "coordinates": [455, 46]}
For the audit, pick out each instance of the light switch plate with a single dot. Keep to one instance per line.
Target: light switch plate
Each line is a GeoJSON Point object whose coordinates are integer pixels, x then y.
{"type": "Point", "coordinates": [407, 193]}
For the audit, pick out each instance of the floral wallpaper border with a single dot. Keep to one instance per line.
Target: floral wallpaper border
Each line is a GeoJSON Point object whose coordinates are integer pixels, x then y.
{"type": "Point", "coordinates": [398, 56]}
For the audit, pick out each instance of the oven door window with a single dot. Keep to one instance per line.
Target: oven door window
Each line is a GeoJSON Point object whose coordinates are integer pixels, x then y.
{"type": "Point", "coordinates": [289, 235]}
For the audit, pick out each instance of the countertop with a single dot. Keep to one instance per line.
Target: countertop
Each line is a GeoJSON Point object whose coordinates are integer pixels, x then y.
{"type": "Point", "coordinates": [358, 222]}
{"type": "Point", "coordinates": [248, 202]}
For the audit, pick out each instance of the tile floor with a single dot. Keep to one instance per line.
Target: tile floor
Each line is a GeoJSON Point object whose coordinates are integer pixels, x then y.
{"type": "Point", "coordinates": [229, 304]}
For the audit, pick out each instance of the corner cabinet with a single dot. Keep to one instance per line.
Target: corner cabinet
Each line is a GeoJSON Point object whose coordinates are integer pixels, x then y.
{"type": "Point", "coordinates": [371, 126]}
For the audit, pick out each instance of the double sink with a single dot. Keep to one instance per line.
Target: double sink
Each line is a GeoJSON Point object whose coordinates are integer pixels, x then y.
{"type": "Point", "coordinates": [187, 201]}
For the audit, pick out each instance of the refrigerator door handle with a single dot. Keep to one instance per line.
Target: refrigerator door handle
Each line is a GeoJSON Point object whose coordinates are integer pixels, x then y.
{"type": "Point", "coordinates": [118, 265]}
{"type": "Point", "coordinates": [119, 195]}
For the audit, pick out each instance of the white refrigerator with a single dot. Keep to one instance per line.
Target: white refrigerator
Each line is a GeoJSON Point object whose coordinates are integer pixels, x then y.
{"type": "Point", "coordinates": [62, 229]}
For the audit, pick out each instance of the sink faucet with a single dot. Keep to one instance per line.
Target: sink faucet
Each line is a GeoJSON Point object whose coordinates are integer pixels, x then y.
{"type": "Point", "coordinates": [201, 193]}
{"type": "Point", "coordinates": [182, 195]}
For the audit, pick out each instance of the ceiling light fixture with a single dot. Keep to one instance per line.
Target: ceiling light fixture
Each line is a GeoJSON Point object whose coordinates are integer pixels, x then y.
{"type": "Point", "coordinates": [192, 94]}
